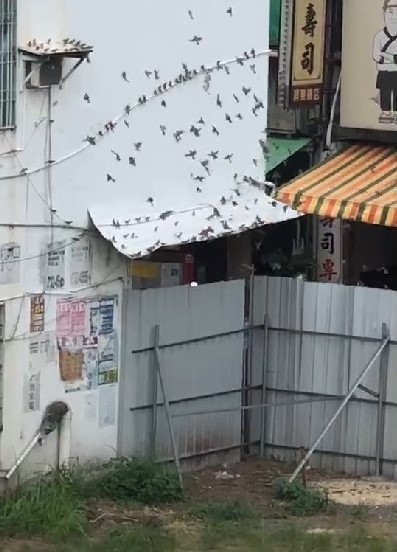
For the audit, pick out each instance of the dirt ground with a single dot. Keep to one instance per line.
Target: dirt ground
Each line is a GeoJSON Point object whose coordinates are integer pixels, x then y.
{"type": "Point", "coordinates": [356, 505]}
{"type": "Point", "coordinates": [253, 481]}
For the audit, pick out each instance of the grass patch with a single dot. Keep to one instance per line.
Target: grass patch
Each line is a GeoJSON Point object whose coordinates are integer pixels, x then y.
{"type": "Point", "coordinates": [136, 480]}
{"type": "Point", "coordinates": [218, 512]}
{"type": "Point", "coordinates": [302, 501]}
{"type": "Point", "coordinates": [139, 539]}
{"type": "Point", "coordinates": [287, 538]}
{"type": "Point", "coordinates": [49, 507]}
{"type": "Point", "coordinates": [54, 506]}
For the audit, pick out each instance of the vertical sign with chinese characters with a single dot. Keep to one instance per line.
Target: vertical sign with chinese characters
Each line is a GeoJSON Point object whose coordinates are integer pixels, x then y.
{"type": "Point", "coordinates": [284, 53]}
{"type": "Point", "coordinates": [329, 252]}
{"type": "Point", "coordinates": [308, 52]}
{"type": "Point", "coordinates": [37, 310]}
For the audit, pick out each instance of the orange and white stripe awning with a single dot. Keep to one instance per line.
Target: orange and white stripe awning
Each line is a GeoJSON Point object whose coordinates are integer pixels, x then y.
{"type": "Point", "coordinates": [358, 184]}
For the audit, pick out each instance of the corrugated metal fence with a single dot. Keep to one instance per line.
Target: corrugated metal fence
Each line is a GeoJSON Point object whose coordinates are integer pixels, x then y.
{"type": "Point", "coordinates": [310, 342]}
{"type": "Point", "coordinates": [200, 346]}
{"type": "Point", "coordinates": [320, 338]}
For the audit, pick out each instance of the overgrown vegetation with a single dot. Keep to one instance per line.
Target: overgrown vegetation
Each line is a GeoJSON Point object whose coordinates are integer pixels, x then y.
{"type": "Point", "coordinates": [54, 506]}
{"type": "Point", "coordinates": [142, 481]}
{"type": "Point", "coordinates": [49, 507]}
{"type": "Point", "coordinates": [302, 501]}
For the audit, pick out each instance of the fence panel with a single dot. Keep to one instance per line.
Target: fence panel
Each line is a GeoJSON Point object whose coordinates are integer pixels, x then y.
{"type": "Point", "coordinates": [201, 343]}
{"type": "Point", "coordinates": [321, 336]}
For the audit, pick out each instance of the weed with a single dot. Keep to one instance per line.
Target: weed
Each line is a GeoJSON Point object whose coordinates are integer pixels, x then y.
{"type": "Point", "coordinates": [138, 480]}
{"type": "Point", "coordinates": [218, 512]}
{"type": "Point", "coordinates": [46, 507]}
{"type": "Point", "coordinates": [302, 501]}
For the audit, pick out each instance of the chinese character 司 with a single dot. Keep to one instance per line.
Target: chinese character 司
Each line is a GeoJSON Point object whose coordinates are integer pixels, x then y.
{"type": "Point", "coordinates": [311, 22]}
{"type": "Point", "coordinates": [328, 242]}
{"type": "Point", "coordinates": [328, 270]}
{"type": "Point", "coordinates": [307, 61]}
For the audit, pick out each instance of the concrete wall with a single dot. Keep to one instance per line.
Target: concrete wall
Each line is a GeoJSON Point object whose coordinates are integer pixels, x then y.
{"type": "Point", "coordinates": [43, 206]}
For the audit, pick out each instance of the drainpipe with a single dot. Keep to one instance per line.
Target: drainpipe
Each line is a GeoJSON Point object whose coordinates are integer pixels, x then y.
{"type": "Point", "coordinates": [64, 440]}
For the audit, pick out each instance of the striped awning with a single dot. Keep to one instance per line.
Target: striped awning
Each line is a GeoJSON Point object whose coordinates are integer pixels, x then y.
{"type": "Point", "coordinates": [358, 184]}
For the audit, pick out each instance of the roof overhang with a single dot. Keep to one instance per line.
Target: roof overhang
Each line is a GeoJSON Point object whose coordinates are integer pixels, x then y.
{"type": "Point", "coordinates": [70, 48]}
{"type": "Point", "coordinates": [136, 230]}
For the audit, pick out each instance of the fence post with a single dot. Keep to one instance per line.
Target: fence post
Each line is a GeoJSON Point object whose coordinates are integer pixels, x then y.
{"type": "Point", "coordinates": [247, 372]}
{"type": "Point", "coordinates": [154, 386]}
{"type": "Point", "coordinates": [264, 384]}
{"type": "Point", "coordinates": [380, 425]}
{"type": "Point", "coordinates": [168, 415]}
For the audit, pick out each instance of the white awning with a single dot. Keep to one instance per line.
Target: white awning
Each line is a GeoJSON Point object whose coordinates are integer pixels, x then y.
{"type": "Point", "coordinates": [136, 230]}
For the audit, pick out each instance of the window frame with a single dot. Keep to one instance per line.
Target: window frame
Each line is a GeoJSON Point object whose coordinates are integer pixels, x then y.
{"type": "Point", "coordinates": [8, 64]}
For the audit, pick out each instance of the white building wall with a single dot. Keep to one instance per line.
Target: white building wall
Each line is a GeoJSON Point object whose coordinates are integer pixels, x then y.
{"type": "Point", "coordinates": [132, 37]}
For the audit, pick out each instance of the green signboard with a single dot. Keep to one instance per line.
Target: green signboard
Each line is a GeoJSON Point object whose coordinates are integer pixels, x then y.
{"type": "Point", "coordinates": [275, 12]}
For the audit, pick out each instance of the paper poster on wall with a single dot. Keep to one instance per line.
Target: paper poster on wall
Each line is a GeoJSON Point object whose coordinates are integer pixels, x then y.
{"type": "Point", "coordinates": [41, 351]}
{"type": "Point", "coordinates": [101, 316]}
{"type": "Point", "coordinates": [31, 392]}
{"type": "Point", "coordinates": [91, 407]}
{"type": "Point", "coordinates": [107, 406]}
{"type": "Point", "coordinates": [86, 378]}
{"type": "Point", "coordinates": [80, 263]}
{"type": "Point", "coordinates": [10, 257]}
{"type": "Point", "coordinates": [37, 313]}
{"type": "Point", "coordinates": [107, 359]}
{"type": "Point", "coordinates": [70, 365]}
{"type": "Point", "coordinates": [71, 318]}
{"type": "Point", "coordinates": [87, 343]}
{"type": "Point", "coordinates": [55, 265]}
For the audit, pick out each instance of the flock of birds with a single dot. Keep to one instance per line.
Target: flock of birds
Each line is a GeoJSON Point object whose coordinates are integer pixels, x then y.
{"type": "Point", "coordinates": [203, 164]}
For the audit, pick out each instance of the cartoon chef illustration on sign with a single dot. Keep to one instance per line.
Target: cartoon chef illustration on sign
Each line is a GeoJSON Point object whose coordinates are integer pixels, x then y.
{"type": "Point", "coordinates": [385, 56]}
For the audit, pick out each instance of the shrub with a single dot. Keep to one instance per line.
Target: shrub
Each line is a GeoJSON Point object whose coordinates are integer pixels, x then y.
{"type": "Point", "coordinates": [138, 480]}
{"type": "Point", "coordinates": [302, 501]}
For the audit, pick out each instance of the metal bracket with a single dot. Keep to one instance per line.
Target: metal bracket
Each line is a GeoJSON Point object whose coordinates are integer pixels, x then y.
{"type": "Point", "coordinates": [72, 70]}
{"type": "Point", "coordinates": [368, 391]}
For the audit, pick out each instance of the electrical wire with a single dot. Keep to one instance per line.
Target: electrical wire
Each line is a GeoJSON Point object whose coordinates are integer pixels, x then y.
{"type": "Point", "coordinates": [29, 181]}
{"type": "Point", "coordinates": [27, 335]}
{"type": "Point", "coordinates": [45, 253]}
{"type": "Point", "coordinates": [36, 125]}
{"type": "Point", "coordinates": [199, 72]}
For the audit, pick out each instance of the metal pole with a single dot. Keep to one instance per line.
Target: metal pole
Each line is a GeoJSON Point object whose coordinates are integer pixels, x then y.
{"type": "Point", "coordinates": [264, 384]}
{"type": "Point", "coordinates": [168, 414]}
{"type": "Point", "coordinates": [341, 407]}
{"type": "Point", "coordinates": [380, 425]}
{"type": "Point", "coordinates": [153, 429]}
{"type": "Point", "coordinates": [248, 379]}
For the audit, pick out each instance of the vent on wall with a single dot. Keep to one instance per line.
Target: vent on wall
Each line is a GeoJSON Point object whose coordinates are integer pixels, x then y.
{"type": "Point", "coordinates": [43, 74]}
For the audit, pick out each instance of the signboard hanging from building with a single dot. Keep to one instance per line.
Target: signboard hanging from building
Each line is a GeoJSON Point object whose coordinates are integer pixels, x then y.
{"type": "Point", "coordinates": [369, 65]}
{"type": "Point", "coordinates": [284, 53]}
{"type": "Point", "coordinates": [329, 250]}
{"type": "Point", "coordinates": [307, 72]}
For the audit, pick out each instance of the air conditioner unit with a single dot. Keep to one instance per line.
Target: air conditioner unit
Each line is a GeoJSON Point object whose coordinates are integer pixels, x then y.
{"type": "Point", "coordinates": [45, 74]}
